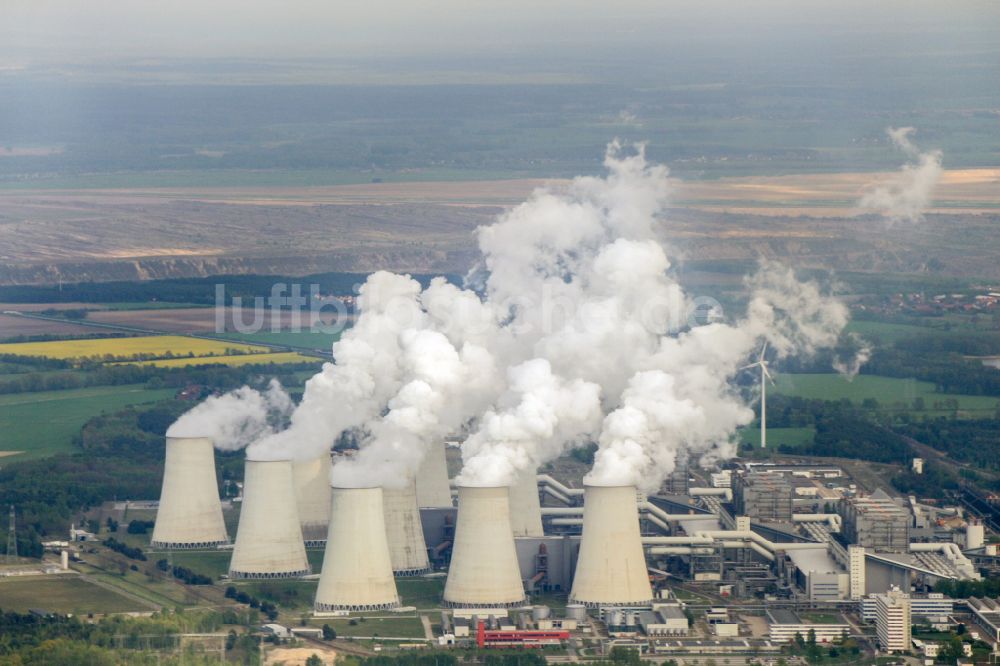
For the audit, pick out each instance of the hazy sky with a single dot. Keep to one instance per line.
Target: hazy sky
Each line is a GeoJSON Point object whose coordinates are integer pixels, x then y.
{"type": "Point", "coordinates": [54, 30]}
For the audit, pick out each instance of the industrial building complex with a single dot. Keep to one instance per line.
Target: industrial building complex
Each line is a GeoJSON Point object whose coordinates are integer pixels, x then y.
{"type": "Point", "coordinates": [796, 538]}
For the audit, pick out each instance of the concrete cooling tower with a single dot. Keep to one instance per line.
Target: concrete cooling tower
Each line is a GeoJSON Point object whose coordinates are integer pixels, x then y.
{"type": "Point", "coordinates": [484, 572]}
{"type": "Point", "coordinates": [357, 571]}
{"type": "Point", "coordinates": [525, 509]}
{"type": "Point", "coordinates": [269, 539]}
{"type": "Point", "coordinates": [407, 549]}
{"type": "Point", "coordinates": [611, 568]}
{"type": "Point", "coordinates": [312, 495]}
{"type": "Point", "coordinates": [190, 513]}
{"type": "Point", "coordinates": [432, 479]}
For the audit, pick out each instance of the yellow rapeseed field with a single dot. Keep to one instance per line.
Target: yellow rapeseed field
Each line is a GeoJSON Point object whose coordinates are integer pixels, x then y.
{"type": "Point", "coordinates": [139, 348]}
{"type": "Point", "coordinates": [239, 359]}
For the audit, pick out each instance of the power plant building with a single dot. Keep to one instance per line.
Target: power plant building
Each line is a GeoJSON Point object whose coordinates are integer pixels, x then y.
{"type": "Point", "coordinates": [764, 496]}
{"type": "Point", "coordinates": [269, 540]}
{"type": "Point", "coordinates": [357, 569]}
{"type": "Point", "coordinates": [892, 620]}
{"type": "Point", "coordinates": [190, 513]}
{"type": "Point", "coordinates": [876, 523]}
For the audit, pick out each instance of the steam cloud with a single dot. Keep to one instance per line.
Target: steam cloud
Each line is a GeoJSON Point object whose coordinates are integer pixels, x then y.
{"type": "Point", "coordinates": [237, 418]}
{"type": "Point", "coordinates": [906, 195]}
{"type": "Point", "coordinates": [575, 331]}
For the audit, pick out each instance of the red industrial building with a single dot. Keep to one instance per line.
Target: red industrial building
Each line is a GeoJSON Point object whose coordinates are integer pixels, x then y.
{"type": "Point", "coordinates": [518, 637]}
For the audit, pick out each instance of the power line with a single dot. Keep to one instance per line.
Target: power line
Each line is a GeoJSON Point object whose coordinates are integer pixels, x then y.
{"type": "Point", "coordinates": [12, 538]}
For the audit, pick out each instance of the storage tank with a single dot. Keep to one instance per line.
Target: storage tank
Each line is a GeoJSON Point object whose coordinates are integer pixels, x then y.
{"type": "Point", "coordinates": [312, 496]}
{"type": "Point", "coordinates": [404, 531]}
{"type": "Point", "coordinates": [975, 534]}
{"type": "Point", "coordinates": [484, 571]}
{"type": "Point", "coordinates": [190, 513]}
{"type": "Point", "coordinates": [433, 490]}
{"type": "Point", "coordinates": [357, 571]}
{"type": "Point", "coordinates": [269, 539]}
{"type": "Point", "coordinates": [611, 568]}
{"type": "Point", "coordinates": [525, 509]}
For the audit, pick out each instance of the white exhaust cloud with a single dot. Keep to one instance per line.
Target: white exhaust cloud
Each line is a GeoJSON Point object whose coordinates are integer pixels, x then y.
{"type": "Point", "coordinates": [237, 418]}
{"type": "Point", "coordinates": [906, 195]}
{"type": "Point", "coordinates": [577, 332]}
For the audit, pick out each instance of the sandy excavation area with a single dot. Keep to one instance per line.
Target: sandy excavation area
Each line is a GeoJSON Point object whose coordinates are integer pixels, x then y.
{"type": "Point", "coordinates": [297, 656]}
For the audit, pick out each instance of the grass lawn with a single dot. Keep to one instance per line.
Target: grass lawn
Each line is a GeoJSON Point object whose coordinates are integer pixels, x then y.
{"type": "Point", "coordinates": [392, 627]}
{"type": "Point", "coordinates": [62, 594]}
{"type": "Point", "coordinates": [886, 332]}
{"type": "Point", "coordinates": [822, 618]}
{"type": "Point", "coordinates": [890, 392]}
{"type": "Point", "coordinates": [43, 423]}
{"type": "Point", "coordinates": [420, 592]}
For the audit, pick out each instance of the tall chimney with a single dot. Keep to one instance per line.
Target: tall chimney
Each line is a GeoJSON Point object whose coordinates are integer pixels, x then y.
{"type": "Point", "coordinates": [269, 539]}
{"type": "Point", "coordinates": [312, 495]}
{"type": "Point", "coordinates": [525, 510]}
{"type": "Point", "coordinates": [484, 572]}
{"type": "Point", "coordinates": [611, 568]}
{"type": "Point", "coordinates": [433, 490]}
{"type": "Point", "coordinates": [190, 513]}
{"type": "Point", "coordinates": [357, 571]}
{"type": "Point", "coordinates": [407, 549]}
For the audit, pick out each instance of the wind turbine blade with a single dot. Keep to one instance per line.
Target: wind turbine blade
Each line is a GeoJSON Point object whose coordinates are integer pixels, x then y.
{"type": "Point", "coordinates": [752, 365]}
{"type": "Point", "coordinates": [763, 350]}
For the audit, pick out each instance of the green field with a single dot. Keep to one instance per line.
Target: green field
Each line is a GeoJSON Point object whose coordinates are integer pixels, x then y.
{"type": "Point", "coordinates": [43, 423]}
{"type": "Point", "coordinates": [890, 392]}
{"type": "Point", "coordinates": [777, 436]}
{"type": "Point", "coordinates": [420, 592]}
{"type": "Point", "coordinates": [304, 339]}
{"type": "Point", "coordinates": [391, 627]}
{"type": "Point", "coordinates": [62, 594]}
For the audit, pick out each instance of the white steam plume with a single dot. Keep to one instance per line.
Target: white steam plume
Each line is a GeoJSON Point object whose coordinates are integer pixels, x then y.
{"type": "Point", "coordinates": [683, 402]}
{"type": "Point", "coordinates": [579, 334]}
{"type": "Point", "coordinates": [237, 418]}
{"type": "Point", "coordinates": [906, 195]}
{"type": "Point", "coordinates": [357, 385]}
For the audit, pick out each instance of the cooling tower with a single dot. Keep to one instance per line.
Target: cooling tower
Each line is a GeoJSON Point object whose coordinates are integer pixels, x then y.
{"type": "Point", "coordinates": [484, 572]}
{"type": "Point", "coordinates": [611, 567]}
{"type": "Point", "coordinates": [269, 539]}
{"type": "Point", "coordinates": [357, 571]}
{"type": "Point", "coordinates": [525, 510]}
{"type": "Point", "coordinates": [190, 514]}
{"type": "Point", "coordinates": [432, 479]}
{"type": "Point", "coordinates": [407, 549]}
{"type": "Point", "coordinates": [312, 495]}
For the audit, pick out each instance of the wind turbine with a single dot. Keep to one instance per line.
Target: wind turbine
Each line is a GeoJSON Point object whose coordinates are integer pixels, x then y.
{"type": "Point", "coordinates": [765, 377]}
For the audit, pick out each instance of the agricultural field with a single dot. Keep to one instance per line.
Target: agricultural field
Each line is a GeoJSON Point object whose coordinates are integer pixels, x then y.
{"type": "Point", "coordinates": [234, 360]}
{"type": "Point", "coordinates": [62, 593]}
{"type": "Point", "coordinates": [317, 341]}
{"type": "Point", "coordinates": [39, 424]}
{"type": "Point", "coordinates": [137, 348]}
{"type": "Point", "coordinates": [12, 326]}
{"type": "Point", "coordinates": [890, 392]}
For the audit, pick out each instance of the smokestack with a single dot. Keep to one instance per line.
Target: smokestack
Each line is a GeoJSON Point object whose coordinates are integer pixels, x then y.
{"type": "Point", "coordinates": [407, 549]}
{"type": "Point", "coordinates": [484, 572]}
{"type": "Point", "coordinates": [190, 513]}
{"type": "Point", "coordinates": [269, 539]}
{"type": "Point", "coordinates": [357, 571]}
{"type": "Point", "coordinates": [432, 478]}
{"type": "Point", "coordinates": [312, 496]}
{"type": "Point", "coordinates": [611, 568]}
{"type": "Point", "coordinates": [525, 510]}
